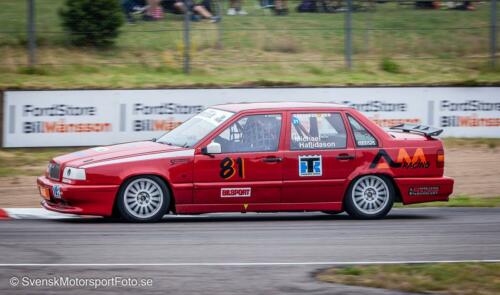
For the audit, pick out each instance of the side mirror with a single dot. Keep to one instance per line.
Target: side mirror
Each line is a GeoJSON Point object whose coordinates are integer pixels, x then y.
{"type": "Point", "coordinates": [212, 148]}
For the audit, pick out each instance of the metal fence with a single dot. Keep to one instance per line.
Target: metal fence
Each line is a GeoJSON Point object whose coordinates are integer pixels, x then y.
{"type": "Point", "coordinates": [345, 33]}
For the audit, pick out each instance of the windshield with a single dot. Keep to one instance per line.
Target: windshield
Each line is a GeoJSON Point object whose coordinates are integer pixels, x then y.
{"type": "Point", "coordinates": [196, 128]}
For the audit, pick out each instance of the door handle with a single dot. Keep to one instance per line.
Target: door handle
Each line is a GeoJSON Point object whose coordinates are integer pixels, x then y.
{"type": "Point", "coordinates": [344, 157]}
{"type": "Point", "coordinates": [272, 159]}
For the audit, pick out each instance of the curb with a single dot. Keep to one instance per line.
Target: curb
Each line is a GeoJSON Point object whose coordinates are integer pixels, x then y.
{"type": "Point", "coordinates": [33, 213]}
{"type": "Point", "coordinates": [3, 214]}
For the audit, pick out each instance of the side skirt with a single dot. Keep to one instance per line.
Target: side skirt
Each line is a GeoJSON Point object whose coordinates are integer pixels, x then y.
{"type": "Point", "coordinates": [257, 207]}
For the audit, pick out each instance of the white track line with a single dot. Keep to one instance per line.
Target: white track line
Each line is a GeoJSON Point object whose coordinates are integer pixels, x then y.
{"type": "Point", "coordinates": [333, 263]}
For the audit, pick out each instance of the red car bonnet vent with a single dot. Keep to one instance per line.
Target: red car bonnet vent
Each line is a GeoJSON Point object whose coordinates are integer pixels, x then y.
{"type": "Point", "coordinates": [440, 159]}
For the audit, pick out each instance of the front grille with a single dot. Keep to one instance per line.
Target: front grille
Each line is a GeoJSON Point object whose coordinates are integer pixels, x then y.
{"type": "Point", "coordinates": [54, 171]}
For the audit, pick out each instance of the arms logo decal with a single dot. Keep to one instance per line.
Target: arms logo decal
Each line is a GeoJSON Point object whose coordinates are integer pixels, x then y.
{"type": "Point", "coordinates": [403, 160]}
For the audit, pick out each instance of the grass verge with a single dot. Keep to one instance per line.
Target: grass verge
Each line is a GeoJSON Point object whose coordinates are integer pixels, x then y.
{"type": "Point", "coordinates": [441, 278]}
{"type": "Point", "coordinates": [28, 161]}
{"type": "Point", "coordinates": [458, 201]}
{"type": "Point", "coordinates": [426, 47]}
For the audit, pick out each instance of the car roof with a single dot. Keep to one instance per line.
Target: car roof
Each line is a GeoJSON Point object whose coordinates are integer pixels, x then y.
{"type": "Point", "coordinates": [239, 107]}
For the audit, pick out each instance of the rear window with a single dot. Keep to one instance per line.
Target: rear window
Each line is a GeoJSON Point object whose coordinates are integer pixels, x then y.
{"type": "Point", "coordinates": [362, 136]}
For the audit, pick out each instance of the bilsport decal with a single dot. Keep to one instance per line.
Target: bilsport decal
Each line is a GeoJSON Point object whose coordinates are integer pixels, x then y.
{"type": "Point", "coordinates": [403, 161]}
{"type": "Point", "coordinates": [310, 165]}
{"type": "Point", "coordinates": [243, 192]}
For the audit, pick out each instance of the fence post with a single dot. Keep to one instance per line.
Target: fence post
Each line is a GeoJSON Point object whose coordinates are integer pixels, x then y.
{"type": "Point", "coordinates": [220, 11]}
{"type": "Point", "coordinates": [31, 33]}
{"type": "Point", "coordinates": [187, 41]}
{"type": "Point", "coordinates": [493, 32]}
{"type": "Point", "coordinates": [348, 35]}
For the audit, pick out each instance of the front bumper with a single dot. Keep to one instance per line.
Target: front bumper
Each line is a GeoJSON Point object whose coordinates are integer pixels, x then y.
{"type": "Point", "coordinates": [421, 190]}
{"type": "Point", "coordinates": [78, 199]}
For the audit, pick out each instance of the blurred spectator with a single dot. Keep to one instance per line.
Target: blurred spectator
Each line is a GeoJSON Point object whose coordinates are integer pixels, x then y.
{"type": "Point", "coordinates": [131, 7]}
{"type": "Point", "coordinates": [202, 9]}
{"type": "Point", "coordinates": [426, 4]}
{"type": "Point", "coordinates": [235, 7]}
{"type": "Point", "coordinates": [464, 5]}
{"type": "Point", "coordinates": [173, 6]}
{"type": "Point", "coordinates": [281, 7]}
{"type": "Point", "coordinates": [153, 11]}
{"type": "Point", "coordinates": [266, 3]}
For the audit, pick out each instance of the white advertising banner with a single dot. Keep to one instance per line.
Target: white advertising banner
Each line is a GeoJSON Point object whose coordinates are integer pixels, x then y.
{"type": "Point", "coordinates": [99, 117]}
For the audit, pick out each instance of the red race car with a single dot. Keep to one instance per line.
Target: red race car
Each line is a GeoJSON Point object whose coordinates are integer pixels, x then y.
{"type": "Point", "coordinates": [255, 157]}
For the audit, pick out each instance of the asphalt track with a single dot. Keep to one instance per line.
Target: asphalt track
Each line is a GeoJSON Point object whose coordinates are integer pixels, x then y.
{"type": "Point", "coordinates": [239, 253]}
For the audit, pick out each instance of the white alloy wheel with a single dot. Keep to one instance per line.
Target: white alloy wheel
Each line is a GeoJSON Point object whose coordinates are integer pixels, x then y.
{"type": "Point", "coordinates": [370, 197]}
{"type": "Point", "coordinates": [370, 194]}
{"type": "Point", "coordinates": [143, 198]}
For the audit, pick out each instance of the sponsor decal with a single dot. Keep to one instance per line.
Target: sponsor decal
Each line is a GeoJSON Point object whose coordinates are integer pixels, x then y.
{"type": "Point", "coordinates": [166, 109]}
{"type": "Point", "coordinates": [377, 106]}
{"type": "Point", "coordinates": [389, 122]}
{"type": "Point", "coordinates": [472, 105]}
{"type": "Point", "coordinates": [229, 167]}
{"type": "Point", "coordinates": [312, 142]}
{"type": "Point", "coordinates": [56, 191]}
{"type": "Point", "coordinates": [423, 191]}
{"type": "Point", "coordinates": [468, 121]}
{"type": "Point", "coordinates": [366, 142]}
{"type": "Point", "coordinates": [178, 161]}
{"type": "Point", "coordinates": [310, 165]}
{"type": "Point", "coordinates": [155, 125]}
{"type": "Point", "coordinates": [243, 192]}
{"type": "Point", "coordinates": [58, 110]}
{"type": "Point", "coordinates": [61, 126]}
{"type": "Point", "coordinates": [403, 161]}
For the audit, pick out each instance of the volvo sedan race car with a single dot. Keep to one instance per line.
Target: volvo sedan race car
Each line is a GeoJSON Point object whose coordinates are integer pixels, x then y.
{"type": "Point", "coordinates": [255, 157]}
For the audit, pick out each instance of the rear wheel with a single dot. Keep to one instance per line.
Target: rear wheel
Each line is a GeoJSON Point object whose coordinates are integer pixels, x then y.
{"type": "Point", "coordinates": [370, 197]}
{"type": "Point", "coordinates": [143, 199]}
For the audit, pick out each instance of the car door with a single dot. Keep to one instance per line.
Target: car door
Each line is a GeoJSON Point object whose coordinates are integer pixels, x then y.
{"type": "Point", "coordinates": [319, 159]}
{"type": "Point", "coordinates": [249, 168]}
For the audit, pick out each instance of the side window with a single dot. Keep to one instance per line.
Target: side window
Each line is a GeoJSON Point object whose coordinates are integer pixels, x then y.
{"type": "Point", "coordinates": [258, 133]}
{"type": "Point", "coordinates": [317, 131]}
{"type": "Point", "coordinates": [362, 136]}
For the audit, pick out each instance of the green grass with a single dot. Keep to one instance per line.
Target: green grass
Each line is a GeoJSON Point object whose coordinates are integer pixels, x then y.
{"type": "Point", "coordinates": [300, 49]}
{"type": "Point", "coordinates": [28, 161]}
{"type": "Point", "coordinates": [442, 278]}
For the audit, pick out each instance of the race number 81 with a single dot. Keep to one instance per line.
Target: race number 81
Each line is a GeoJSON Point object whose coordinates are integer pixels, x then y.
{"type": "Point", "coordinates": [229, 167]}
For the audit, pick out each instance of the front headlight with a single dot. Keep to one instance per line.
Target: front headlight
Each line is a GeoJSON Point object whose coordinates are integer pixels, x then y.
{"type": "Point", "coordinates": [74, 173]}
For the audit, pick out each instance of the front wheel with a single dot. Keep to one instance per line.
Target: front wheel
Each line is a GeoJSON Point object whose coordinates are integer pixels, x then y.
{"type": "Point", "coordinates": [143, 199]}
{"type": "Point", "coordinates": [370, 197]}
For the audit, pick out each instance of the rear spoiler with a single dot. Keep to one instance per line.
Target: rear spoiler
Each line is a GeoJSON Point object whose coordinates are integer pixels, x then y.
{"type": "Point", "coordinates": [422, 129]}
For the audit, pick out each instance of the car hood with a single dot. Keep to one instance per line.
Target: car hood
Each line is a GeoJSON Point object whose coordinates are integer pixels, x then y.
{"type": "Point", "coordinates": [111, 152]}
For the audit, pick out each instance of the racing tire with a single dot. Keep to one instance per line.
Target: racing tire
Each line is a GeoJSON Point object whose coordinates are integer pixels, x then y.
{"type": "Point", "coordinates": [143, 199]}
{"type": "Point", "coordinates": [369, 197]}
